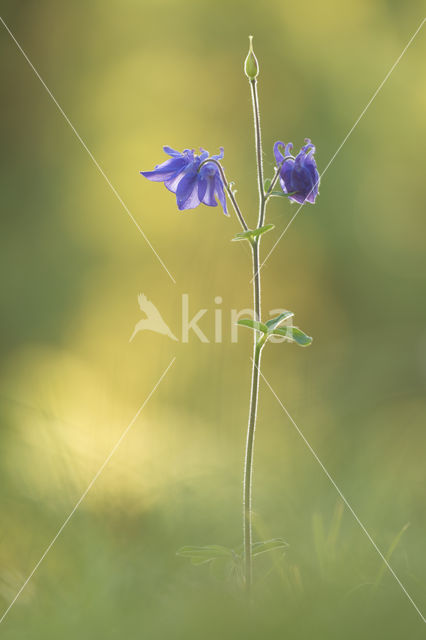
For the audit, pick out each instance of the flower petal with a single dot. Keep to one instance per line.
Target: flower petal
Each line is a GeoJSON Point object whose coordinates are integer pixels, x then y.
{"type": "Point", "coordinates": [204, 154]}
{"type": "Point", "coordinates": [277, 152]}
{"type": "Point", "coordinates": [297, 197]}
{"type": "Point", "coordinates": [220, 155]}
{"type": "Point", "coordinates": [166, 170]}
{"type": "Point", "coordinates": [207, 188]}
{"type": "Point", "coordinates": [202, 187]}
{"type": "Point", "coordinates": [308, 147]}
{"type": "Point", "coordinates": [288, 148]}
{"type": "Point", "coordinates": [286, 174]}
{"type": "Point", "coordinates": [187, 192]}
{"type": "Point", "coordinates": [220, 193]}
{"type": "Point", "coordinates": [173, 182]}
{"type": "Point", "coordinates": [298, 175]}
{"type": "Point", "coordinates": [302, 180]}
{"type": "Point", "coordinates": [181, 176]}
{"type": "Point", "coordinates": [171, 152]}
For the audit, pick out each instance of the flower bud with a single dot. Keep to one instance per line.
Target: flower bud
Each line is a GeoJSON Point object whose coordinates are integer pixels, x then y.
{"type": "Point", "coordinates": [251, 65]}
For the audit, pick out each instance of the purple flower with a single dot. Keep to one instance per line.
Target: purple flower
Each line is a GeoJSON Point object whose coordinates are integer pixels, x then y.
{"type": "Point", "coordinates": [181, 175]}
{"type": "Point", "coordinates": [298, 174]}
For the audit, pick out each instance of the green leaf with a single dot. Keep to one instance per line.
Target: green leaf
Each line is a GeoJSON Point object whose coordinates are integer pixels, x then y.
{"type": "Point", "coordinates": [268, 545]}
{"type": "Point", "coordinates": [252, 233]}
{"type": "Point", "coordinates": [261, 230]}
{"type": "Point", "coordinates": [395, 542]}
{"type": "Point", "coordinates": [294, 334]}
{"type": "Point", "coordinates": [274, 322]}
{"type": "Point", "coordinates": [267, 184]}
{"type": "Point", "coordinates": [253, 324]}
{"type": "Point", "coordinates": [335, 526]}
{"type": "Point", "coordinates": [244, 235]}
{"type": "Point", "coordinates": [202, 555]}
{"type": "Point", "coordinates": [281, 194]}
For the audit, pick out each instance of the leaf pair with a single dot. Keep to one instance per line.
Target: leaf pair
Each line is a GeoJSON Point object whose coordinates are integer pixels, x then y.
{"type": "Point", "coordinates": [209, 553]}
{"type": "Point", "coordinates": [271, 328]}
{"type": "Point", "coordinates": [252, 234]}
{"type": "Point", "coordinates": [201, 555]}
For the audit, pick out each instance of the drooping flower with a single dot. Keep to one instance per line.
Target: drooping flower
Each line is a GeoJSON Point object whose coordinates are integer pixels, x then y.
{"type": "Point", "coordinates": [298, 175]}
{"type": "Point", "coordinates": [182, 175]}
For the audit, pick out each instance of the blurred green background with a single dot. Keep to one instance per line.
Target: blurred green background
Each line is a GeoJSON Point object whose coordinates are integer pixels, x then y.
{"type": "Point", "coordinates": [133, 76]}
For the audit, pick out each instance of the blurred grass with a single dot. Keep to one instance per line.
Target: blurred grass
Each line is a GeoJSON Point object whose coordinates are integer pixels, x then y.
{"type": "Point", "coordinates": [133, 77]}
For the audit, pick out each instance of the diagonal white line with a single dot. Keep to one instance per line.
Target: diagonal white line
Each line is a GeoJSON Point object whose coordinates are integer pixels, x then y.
{"type": "Point", "coordinates": [90, 485]}
{"type": "Point", "coordinates": [355, 124]}
{"type": "Point", "coordinates": [92, 157]}
{"type": "Point", "coordinates": [342, 496]}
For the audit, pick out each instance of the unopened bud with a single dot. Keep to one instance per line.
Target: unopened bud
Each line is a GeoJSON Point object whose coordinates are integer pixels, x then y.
{"type": "Point", "coordinates": [251, 65]}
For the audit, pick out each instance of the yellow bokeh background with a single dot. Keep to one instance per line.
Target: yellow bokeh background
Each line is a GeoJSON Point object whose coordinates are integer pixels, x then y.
{"type": "Point", "coordinates": [132, 77]}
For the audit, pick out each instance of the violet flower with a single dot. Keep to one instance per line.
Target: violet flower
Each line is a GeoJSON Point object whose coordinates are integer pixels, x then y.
{"type": "Point", "coordinates": [298, 175]}
{"type": "Point", "coordinates": [182, 175]}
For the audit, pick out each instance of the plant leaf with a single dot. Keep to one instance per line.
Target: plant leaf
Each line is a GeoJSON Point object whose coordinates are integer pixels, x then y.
{"type": "Point", "coordinates": [274, 322]}
{"type": "Point", "coordinates": [253, 324]}
{"type": "Point", "coordinates": [395, 542]}
{"type": "Point", "coordinates": [294, 334]}
{"type": "Point", "coordinates": [281, 194]}
{"type": "Point", "coordinates": [267, 184]}
{"type": "Point", "coordinates": [268, 545]}
{"type": "Point", "coordinates": [261, 230]}
{"type": "Point", "coordinates": [243, 235]}
{"type": "Point", "coordinates": [252, 233]}
{"type": "Point", "coordinates": [202, 555]}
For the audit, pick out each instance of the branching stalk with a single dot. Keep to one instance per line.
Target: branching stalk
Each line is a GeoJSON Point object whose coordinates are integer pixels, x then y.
{"type": "Point", "coordinates": [228, 190]}
{"type": "Point", "coordinates": [257, 349]}
{"type": "Point", "coordinates": [274, 180]}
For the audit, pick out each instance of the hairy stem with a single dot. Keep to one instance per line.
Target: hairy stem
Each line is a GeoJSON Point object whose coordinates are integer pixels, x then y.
{"type": "Point", "coordinates": [257, 348]}
{"type": "Point", "coordinates": [248, 462]}
{"type": "Point", "coordinates": [274, 180]}
{"type": "Point", "coordinates": [259, 152]}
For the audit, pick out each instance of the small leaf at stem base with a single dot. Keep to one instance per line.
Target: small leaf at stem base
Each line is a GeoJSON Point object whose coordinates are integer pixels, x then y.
{"type": "Point", "coordinates": [215, 553]}
{"type": "Point", "coordinates": [201, 555]}
{"type": "Point", "coordinates": [268, 545]}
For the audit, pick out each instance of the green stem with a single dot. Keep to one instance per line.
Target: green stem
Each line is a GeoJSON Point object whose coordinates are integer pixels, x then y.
{"type": "Point", "coordinates": [228, 190]}
{"type": "Point", "coordinates": [257, 349]}
{"type": "Point", "coordinates": [274, 180]}
{"type": "Point", "coordinates": [248, 462]}
{"type": "Point", "coordinates": [259, 153]}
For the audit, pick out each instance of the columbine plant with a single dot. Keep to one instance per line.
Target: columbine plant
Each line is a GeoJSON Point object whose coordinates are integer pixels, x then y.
{"type": "Point", "coordinates": [200, 179]}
